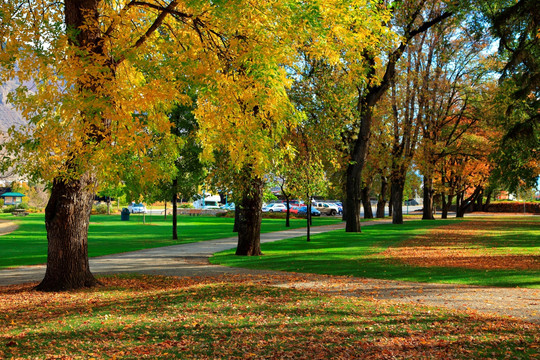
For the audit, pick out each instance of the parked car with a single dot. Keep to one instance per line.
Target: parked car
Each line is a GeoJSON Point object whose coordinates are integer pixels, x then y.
{"type": "Point", "coordinates": [411, 202]}
{"type": "Point", "coordinates": [340, 207]}
{"type": "Point", "coordinates": [136, 208]}
{"type": "Point", "coordinates": [303, 211]}
{"type": "Point", "coordinates": [274, 207]}
{"type": "Point", "coordinates": [293, 209]}
{"type": "Point", "coordinates": [327, 209]}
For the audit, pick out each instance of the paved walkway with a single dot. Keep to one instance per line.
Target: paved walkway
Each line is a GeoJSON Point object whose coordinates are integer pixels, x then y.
{"type": "Point", "coordinates": [192, 260]}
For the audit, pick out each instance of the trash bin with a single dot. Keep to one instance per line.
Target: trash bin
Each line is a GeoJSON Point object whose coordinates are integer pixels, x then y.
{"type": "Point", "coordinates": [124, 215]}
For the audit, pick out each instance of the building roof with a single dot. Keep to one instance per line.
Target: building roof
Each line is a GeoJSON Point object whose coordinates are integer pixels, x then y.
{"type": "Point", "coordinates": [12, 194]}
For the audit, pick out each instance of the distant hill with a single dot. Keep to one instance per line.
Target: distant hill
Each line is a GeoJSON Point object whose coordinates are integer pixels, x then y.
{"type": "Point", "coordinates": [8, 115]}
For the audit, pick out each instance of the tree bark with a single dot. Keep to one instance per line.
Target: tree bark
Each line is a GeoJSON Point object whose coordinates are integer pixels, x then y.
{"type": "Point", "coordinates": [397, 200]}
{"type": "Point", "coordinates": [67, 217]}
{"type": "Point", "coordinates": [236, 217]}
{"type": "Point", "coordinates": [366, 203]}
{"type": "Point", "coordinates": [308, 217]}
{"type": "Point", "coordinates": [427, 211]}
{"type": "Point", "coordinates": [446, 206]}
{"type": "Point", "coordinates": [352, 199]}
{"type": "Point", "coordinates": [464, 204]}
{"type": "Point", "coordinates": [288, 215]}
{"type": "Point", "coordinates": [174, 201]}
{"type": "Point", "coordinates": [477, 206]}
{"type": "Point", "coordinates": [249, 219]}
{"type": "Point", "coordinates": [381, 203]}
{"type": "Point", "coordinates": [390, 205]}
{"type": "Point", "coordinates": [485, 207]}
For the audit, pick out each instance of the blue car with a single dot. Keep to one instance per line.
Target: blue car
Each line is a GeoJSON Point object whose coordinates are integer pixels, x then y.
{"type": "Point", "coordinates": [303, 211]}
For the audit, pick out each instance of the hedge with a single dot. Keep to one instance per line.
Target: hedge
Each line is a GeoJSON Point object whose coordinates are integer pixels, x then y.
{"type": "Point", "coordinates": [514, 207]}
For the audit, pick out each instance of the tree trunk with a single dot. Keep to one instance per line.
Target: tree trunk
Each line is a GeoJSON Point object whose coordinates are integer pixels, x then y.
{"type": "Point", "coordinates": [477, 206]}
{"type": "Point", "coordinates": [427, 211]}
{"type": "Point", "coordinates": [67, 214]}
{"type": "Point", "coordinates": [288, 215]}
{"type": "Point", "coordinates": [352, 200]}
{"type": "Point", "coordinates": [236, 221]}
{"type": "Point", "coordinates": [174, 201]}
{"type": "Point", "coordinates": [464, 204]}
{"type": "Point", "coordinates": [366, 203]}
{"type": "Point", "coordinates": [396, 198]}
{"type": "Point", "coordinates": [308, 217]}
{"type": "Point", "coordinates": [108, 205]}
{"type": "Point", "coordinates": [390, 205]}
{"type": "Point", "coordinates": [250, 216]}
{"type": "Point", "coordinates": [67, 217]}
{"type": "Point", "coordinates": [165, 209]}
{"type": "Point", "coordinates": [485, 207]}
{"type": "Point", "coordinates": [446, 206]}
{"type": "Point", "coordinates": [381, 203]}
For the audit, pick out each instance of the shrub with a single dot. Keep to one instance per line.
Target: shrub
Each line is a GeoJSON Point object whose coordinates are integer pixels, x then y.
{"type": "Point", "coordinates": [101, 209]}
{"type": "Point", "coordinates": [185, 206]}
{"type": "Point", "coordinates": [8, 209]}
{"type": "Point", "coordinates": [22, 206]}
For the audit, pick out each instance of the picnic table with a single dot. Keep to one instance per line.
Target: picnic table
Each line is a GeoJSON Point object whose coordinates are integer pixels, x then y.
{"type": "Point", "coordinates": [20, 212]}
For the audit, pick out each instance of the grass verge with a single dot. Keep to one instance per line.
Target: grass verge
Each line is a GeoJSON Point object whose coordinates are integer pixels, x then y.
{"type": "Point", "coordinates": [108, 235]}
{"type": "Point", "coordinates": [362, 254]}
{"type": "Point", "coordinates": [237, 318]}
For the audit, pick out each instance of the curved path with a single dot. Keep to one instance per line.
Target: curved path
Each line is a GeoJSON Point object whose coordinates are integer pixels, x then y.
{"type": "Point", "coordinates": [192, 260]}
{"type": "Point", "coordinates": [7, 227]}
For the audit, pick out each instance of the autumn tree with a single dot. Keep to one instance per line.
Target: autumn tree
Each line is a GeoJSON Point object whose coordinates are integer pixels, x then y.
{"type": "Point", "coordinates": [83, 58]}
{"type": "Point", "coordinates": [316, 154]}
{"type": "Point", "coordinates": [409, 18]}
{"type": "Point", "coordinates": [107, 74]}
{"type": "Point", "coordinates": [515, 24]}
{"type": "Point", "coordinates": [189, 171]}
{"type": "Point", "coordinates": [406, 111]}
{"type": "Point", "coordinates": [455, 101]}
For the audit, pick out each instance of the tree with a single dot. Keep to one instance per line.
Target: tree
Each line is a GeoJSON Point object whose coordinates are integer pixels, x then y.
{"type": "Point", "coordinates": [412, 18]}
{"type": "Point", "coordinates": [189, 170]}
{"type": "Point", "coordinates": [78, 56]}
{"type": "Point", "coordinates": [107, 74]}
{"type": "Point", "coordinates": [452, 93]}
{"type": "Point", "coordinates": [405, 115]}
{"type": "Point", "coordinates": [515, 24]}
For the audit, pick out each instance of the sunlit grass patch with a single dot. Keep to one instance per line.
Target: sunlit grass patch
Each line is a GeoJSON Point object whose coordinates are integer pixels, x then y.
{"type": "Point", "coordinates": [378, 252]}
{"type": "Point", "coordinates": [109, 235]}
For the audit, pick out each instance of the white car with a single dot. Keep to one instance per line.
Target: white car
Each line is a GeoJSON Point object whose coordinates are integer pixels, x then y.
{"type": "Point", "coordinates": [136, 208]}
{"type": "Point", "coordinates": [275, 207]}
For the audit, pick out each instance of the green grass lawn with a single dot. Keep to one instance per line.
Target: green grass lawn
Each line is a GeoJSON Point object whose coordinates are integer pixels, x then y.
{"type": "Point", "coordinates": [108, 235]}
{"type": "Point", "coordinates": [234, 318]}
{"type": "Point", "coordinates": [359, 254]}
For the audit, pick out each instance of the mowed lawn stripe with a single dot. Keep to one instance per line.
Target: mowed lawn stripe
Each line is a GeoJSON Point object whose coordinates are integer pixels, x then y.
{"type": "Point", "coordinates": [109, 235]}
{"type": "Point", "coordinates": [362, 254]}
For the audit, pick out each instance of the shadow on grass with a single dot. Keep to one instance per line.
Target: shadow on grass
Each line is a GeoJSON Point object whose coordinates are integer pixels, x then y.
{"type": "Point", "coordinates": [169, 318]}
